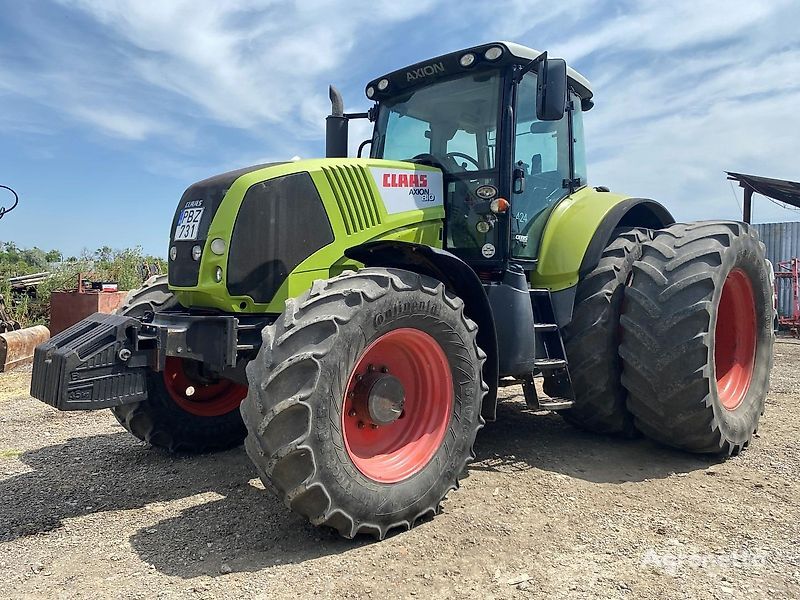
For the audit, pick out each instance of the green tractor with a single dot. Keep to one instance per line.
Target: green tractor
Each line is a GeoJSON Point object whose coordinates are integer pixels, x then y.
{"type": "Point", "coordinates": [351, 319]}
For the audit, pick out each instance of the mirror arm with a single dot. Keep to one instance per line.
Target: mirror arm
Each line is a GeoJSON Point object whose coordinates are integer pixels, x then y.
{"type": "Point", "coordinates": [529, 67]}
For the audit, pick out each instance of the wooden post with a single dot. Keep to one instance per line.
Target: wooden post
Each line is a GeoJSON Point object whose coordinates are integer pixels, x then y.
{"type": "Point", "coordinates": [748, 203]}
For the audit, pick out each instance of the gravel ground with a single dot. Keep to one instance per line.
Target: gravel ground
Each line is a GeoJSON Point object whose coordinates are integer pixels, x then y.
{"type": "Point", "coordinates": [89, 512]}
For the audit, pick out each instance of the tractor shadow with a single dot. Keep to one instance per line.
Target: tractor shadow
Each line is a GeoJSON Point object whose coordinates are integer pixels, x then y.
{"type": "Point", "coordinates": [522, 439]}
{"type": "Point", "coordinates": [233, 522]}
{"type": "Point", "coordinates": [219, 515]}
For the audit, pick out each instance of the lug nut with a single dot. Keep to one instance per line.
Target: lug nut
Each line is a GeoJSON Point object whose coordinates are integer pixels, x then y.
{"type": "Point", "coordinates": [370, 368]}
{"type": "Point", "coordinates": [374, 426]}
{"type": "Point", "coordinates": [361, 424]}
{"type": "Point", "coordinates": [352, 412]}
{"type": "Point", "coordinates": [384, 369]}
{"type": "Point", "coordinates": [359, 377]}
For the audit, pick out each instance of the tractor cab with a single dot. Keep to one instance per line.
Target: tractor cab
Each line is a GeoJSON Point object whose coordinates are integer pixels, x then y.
{"type": "Point", "coordinates": [509, 148]}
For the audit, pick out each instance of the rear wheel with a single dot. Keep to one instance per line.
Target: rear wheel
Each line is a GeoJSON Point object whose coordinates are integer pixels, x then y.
{"type": "Point", "coordinates": [365, 401]}
{"type": "Point", "coordinates": [697, 336]}
{"type": "Point", "coordinates": [591, 339]}
{"type": "Point", "coordinates": [185, 410]}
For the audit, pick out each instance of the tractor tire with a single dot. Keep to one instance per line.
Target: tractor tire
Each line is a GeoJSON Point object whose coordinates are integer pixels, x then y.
{"type": "Point", "coordinates": [207, 420]}
{"type": "Point", "coordinates": [697, 337]}
{"type": "Point", "coordinates": [591, 339]}
{"type": "Point", "coordinates": [365, 400]}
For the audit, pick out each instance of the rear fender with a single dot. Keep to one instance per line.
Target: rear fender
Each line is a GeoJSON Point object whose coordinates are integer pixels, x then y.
{"type": "Point", "coordinates": [577, 232]}
{"type": "Point", "coordinates": [458, 278]}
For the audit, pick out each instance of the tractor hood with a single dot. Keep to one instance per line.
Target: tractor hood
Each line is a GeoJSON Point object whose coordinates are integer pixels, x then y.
{"type": "Point", "coordinates": [239, 240]}
{"type": "Point", "coordinates": [193, 217]}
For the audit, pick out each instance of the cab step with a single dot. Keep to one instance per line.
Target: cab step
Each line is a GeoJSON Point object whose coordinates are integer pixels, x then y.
{"type": "Point", "coordinates": [555, 403]}
{"type": "Point", "coordinates": [550, 363]}
{"type": "Point", "coordinates": [533, 401]}
{"type": "Point", "coordinates": [551, 359]}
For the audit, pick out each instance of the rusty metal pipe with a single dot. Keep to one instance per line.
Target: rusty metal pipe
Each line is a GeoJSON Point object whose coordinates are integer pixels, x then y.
{"type": "Point", "coordinates": [16, 347]}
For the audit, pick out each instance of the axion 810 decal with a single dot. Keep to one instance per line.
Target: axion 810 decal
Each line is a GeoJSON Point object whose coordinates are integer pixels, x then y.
{"type": "Point", "coordinates": [403, 190]}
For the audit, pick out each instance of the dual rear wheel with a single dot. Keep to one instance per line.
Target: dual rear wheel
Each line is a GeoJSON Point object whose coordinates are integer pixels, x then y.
{"type": "Point", "coordinates": [689, 309]}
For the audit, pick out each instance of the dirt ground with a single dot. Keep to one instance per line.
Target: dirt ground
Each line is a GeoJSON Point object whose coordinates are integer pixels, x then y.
{"type": "Point", "coordinates": [87, 511]}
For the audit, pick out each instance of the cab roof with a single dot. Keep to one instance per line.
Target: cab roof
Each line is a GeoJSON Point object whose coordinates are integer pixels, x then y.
{"type": "Point", "coordinates": [429, 70]}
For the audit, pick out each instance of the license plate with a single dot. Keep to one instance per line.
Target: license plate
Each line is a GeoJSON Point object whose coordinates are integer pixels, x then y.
{"type": "Point", "coordinates": [188, 224]}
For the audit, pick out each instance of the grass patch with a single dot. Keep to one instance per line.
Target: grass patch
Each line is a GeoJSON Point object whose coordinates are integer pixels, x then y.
{"type": "Point", "coordinates": [9, 453]}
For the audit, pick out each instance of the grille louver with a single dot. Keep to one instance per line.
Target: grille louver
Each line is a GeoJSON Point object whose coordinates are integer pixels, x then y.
{"type": "Point", "coordinates": [354, 196]}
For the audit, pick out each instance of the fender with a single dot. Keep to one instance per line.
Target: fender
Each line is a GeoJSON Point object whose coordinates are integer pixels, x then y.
{"type": "Point", "coordinates": [576, 234]}
{"type": "Point", "coordinates": [631, 212]}
{"type": "Point", "coordinates": [459, 278]}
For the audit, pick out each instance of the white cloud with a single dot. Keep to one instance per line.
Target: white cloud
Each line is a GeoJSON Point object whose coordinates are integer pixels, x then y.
{"type": "Point", "coordinates": [685, 91]}
{"type": "Point", "coordinates": [245, 63]}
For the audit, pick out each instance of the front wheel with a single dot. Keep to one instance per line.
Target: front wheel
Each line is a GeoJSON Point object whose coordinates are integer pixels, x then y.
{"type": "Point", "coordinates": [365, 400]}
{"type": "Point", "coordinates": [186, 410]}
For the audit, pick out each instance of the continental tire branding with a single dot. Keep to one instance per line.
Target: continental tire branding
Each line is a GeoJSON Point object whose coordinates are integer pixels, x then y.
{"type": "Point", "coordinates": [413, 307]}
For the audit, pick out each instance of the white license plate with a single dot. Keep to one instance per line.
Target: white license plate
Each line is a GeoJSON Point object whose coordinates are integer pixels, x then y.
{"type": "Point", "coordinates": [188, 224]}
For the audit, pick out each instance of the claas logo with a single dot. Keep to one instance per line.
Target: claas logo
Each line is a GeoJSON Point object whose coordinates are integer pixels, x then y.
{"type": "Point", "coordinates": [405, 180]}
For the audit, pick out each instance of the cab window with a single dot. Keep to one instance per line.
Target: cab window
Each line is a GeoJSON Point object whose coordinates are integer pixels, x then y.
{"type": "Point", "coordinates": [541, 151]}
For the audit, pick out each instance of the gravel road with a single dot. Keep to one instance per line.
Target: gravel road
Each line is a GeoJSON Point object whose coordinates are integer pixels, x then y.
{"type": "Point", "coordinates": [548, 512]}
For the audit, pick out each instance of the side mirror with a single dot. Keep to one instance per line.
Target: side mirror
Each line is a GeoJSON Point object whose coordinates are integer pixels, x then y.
{"type": "Point", "coordinates": [551, 89]}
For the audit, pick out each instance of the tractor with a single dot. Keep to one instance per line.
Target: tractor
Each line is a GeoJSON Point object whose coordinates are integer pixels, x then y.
{"type": "Point", "coordinates": [351, 319]}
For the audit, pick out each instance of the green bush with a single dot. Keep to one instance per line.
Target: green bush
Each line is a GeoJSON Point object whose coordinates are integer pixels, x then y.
{"type": "Point", "coordinates": [104, 264]}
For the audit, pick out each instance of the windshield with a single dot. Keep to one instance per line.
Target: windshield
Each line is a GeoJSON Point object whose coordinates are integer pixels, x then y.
{"type": "Point", "coordinates": [455, 121]}
{"type": "Point", "coordinates": [452, 125]}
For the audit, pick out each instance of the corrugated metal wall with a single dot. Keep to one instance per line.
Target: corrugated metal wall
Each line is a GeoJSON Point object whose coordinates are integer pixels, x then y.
{"type": "Point", "coordinates": [783, 242]}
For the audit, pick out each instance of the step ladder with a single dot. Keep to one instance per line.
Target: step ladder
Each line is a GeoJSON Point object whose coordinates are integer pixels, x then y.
{"type": "Point", "coordinates": [552, 361]}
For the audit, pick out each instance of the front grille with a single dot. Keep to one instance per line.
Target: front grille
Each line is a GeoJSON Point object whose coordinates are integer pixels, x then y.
{"type": "Point", "coordinates": [281, 222]}
{"type": "Point", "coordinates": [184, 271]}
{"type": "Point", "coordinates": [354, 196]}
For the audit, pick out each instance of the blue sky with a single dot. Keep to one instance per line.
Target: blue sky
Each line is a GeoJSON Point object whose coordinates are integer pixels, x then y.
{"type": "Point", "coordinates": [110, 108]}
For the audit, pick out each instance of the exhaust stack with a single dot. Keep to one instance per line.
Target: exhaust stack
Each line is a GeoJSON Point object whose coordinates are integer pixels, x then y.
{"type": "Point", "coordinates": [336, 127]}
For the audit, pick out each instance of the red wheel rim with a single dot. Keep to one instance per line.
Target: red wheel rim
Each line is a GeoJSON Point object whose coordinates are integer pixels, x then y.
{"type": "Point", "coordinates": [205, 400]}
{"type": "Point", "coordinates": [735, 339]}
{"type": "Point", "coordinates": [396, 451]}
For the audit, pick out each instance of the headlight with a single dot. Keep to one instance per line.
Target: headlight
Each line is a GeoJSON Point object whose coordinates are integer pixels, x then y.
{"type": "Point", "coordinates": [383, 84]}
{"type": "Point", "coordinates": [218, 246]}
{"type": "Point", "coordinates": [173, 253]}
{"type": "Point", "coordinates": [467, 60]}
{"type": "Point", "coordinates": [218, 275]}
{"type": "Point", "coordinates": [370, 92]}
{"type": "Point", "coordinates": [493, 53]}
{"type": "Point", "coordinates": [197, 252]}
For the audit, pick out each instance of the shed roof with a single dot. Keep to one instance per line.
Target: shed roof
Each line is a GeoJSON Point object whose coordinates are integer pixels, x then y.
{"type": "Point", "coordinates": [782, 190]}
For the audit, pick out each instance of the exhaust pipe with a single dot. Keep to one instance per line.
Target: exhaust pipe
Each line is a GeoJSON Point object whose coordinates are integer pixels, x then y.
{"type": "Point", "coordinates": [336, 127]}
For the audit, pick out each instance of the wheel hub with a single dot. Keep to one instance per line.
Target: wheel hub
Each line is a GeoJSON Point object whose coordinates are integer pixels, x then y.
{"type": "Point", "coordinates": [379, 397]}
{"type": "Point", "coordinates": [397, 405]}
{"type": "Point", "coordinates": [198, 395]}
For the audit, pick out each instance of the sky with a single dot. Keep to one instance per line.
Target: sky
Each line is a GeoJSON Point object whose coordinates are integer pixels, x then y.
{"type": "Point", "coordinates": [109, 109]}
